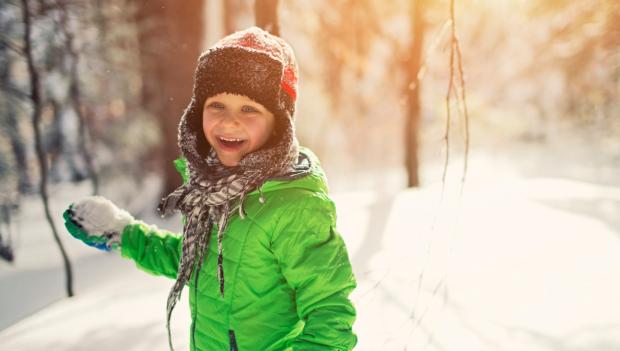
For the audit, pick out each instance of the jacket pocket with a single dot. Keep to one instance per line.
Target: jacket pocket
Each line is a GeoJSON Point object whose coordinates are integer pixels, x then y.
{"type": "Point", "coordinates": [233, 340]}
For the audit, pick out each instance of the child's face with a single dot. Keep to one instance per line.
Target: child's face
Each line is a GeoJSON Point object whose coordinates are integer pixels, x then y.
{"type": "Point", "coordinates": [235, 125]}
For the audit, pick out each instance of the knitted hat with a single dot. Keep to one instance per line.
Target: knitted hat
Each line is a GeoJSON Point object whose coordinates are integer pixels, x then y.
{"type": "Point", "coordinates": [250, 62]}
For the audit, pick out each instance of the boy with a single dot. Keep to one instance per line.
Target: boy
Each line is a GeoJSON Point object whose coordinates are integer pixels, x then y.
{"type": "Point", "coordinates": [265, 265]}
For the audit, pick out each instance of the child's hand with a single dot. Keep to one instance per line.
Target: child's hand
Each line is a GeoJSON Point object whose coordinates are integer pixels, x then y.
{"type": "Point", "coordinates": [97, 222]}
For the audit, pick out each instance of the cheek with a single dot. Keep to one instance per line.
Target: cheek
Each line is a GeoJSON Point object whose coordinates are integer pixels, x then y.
{"type": "Point", "coordinates": [207, 125]}
{"type": "Point", "coordinates": [261, 131]}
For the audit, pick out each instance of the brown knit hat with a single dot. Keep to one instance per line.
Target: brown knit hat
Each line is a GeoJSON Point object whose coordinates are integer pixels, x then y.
{"type": "Point", "coordinates": [250, 62]}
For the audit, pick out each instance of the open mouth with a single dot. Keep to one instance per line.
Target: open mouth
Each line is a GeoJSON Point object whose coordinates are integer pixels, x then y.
{"type": "Point", "coordinates": [230, 143]}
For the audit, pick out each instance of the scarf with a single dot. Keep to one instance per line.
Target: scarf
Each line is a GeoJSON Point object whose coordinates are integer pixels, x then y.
{"type": "Point", "coordinates": [213, 194]}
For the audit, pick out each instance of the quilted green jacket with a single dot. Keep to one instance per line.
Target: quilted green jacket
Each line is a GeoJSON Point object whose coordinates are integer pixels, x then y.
{"type": "Point", "coordinates": [288, 274]}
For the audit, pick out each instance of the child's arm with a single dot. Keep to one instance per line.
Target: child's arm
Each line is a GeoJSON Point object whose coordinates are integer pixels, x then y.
{"type": "Point", "coordinates": [316, 265]}
{"type": "Point", "coordinates": [99, 223]}
{"type": "Point", "coordinates": [154, 250]}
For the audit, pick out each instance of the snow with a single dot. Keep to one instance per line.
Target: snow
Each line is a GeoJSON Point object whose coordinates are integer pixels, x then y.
{"type": "Point", "coordinates": [113, 302]}
{"type": "Point", "coordinates": [124, 311]}
{"type": "Point", "coordinates": [527, 265]}
{"type": "Point", "coordinates": [98, 216]}
{"type": "Point", "coordinates": [515, 264]}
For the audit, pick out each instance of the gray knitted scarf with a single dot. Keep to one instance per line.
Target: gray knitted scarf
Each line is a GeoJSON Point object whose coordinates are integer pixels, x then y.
{"type": "Point", "coordinates": [212, 196]}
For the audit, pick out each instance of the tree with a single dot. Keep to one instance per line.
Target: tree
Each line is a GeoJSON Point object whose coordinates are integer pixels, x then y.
{"type": "Point", "coordinates": [170, 38]}
{"type": "Point", "coordinates": [266, 12]}
{"type": "Point", "coordinates": [412, 89]}
{"type": "Point", "coordinates": [35, 96]}
{"type": "Point", "coordinates": [10, 98]}
{"type": "Point", "coordinates": [230, 9]}
{"type": "Point", "coordinates": [345, 40]}
{"type": "Point", "coordinates": [583, 48]}
{"type": "Point", "coordinates": [75, 95]}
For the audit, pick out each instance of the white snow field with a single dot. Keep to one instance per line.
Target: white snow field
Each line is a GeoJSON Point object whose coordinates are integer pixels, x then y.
{"type": "Point", "coordinates": [518, 264]}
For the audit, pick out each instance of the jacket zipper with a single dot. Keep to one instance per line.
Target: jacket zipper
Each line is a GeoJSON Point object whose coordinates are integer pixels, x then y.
{"type": "Point", "coordinates": [233, 340]}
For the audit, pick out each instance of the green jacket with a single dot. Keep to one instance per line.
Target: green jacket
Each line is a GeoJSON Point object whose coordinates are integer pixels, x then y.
{"type": "Point", "coordinates": [288, 274]}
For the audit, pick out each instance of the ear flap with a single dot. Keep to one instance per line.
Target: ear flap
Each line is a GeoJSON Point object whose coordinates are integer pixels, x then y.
{"type": "Point", "coordinates": [191, 139]}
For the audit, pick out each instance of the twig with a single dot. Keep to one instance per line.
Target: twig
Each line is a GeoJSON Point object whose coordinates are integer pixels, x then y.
{"type": "Point", "coordinates": [446, 136]}
{"type": "Point", "coordinates": [465, 111]}
{"type": "Point", "coordinates": [453, 89]}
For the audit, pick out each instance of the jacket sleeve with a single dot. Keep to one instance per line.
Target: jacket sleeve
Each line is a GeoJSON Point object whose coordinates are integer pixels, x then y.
{"type": "Point", "coordinates": [315, 263]}
{"type": "Point", "coordinates": [154, 250]}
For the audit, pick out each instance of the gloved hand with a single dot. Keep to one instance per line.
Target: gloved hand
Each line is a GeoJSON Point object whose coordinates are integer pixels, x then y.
{"type": "Point", "coordinates": [97, 222]}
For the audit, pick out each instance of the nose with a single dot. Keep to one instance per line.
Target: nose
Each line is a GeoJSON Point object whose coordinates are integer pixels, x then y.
{"type": "Point", "coordinates": [229, 119]}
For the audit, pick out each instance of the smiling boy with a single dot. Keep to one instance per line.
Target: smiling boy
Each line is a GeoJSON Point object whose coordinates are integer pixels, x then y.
{"type": "Point", "coordinates": [265, 265]}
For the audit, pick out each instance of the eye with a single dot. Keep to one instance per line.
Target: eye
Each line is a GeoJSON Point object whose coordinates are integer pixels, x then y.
{"type": "Point", "coordinates": [249, 109]}
{"type": "Point", "coordinates": [216, 105]}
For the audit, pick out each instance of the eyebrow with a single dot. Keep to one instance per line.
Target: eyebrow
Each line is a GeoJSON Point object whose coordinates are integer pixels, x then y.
{"type": "Point", "coordinates": [252, 104]}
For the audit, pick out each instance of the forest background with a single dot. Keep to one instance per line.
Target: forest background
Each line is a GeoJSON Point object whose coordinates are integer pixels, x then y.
{"type": "Point", "coordinates": [381, 101]}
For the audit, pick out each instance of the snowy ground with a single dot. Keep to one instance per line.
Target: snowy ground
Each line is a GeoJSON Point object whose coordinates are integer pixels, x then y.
{"type": "Point", "coordinates": [515, 264]}
{"type": "Point", "coordinates": [528, 265]}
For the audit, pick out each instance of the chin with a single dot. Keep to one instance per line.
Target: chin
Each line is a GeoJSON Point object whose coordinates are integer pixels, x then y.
{"type": "Point", "coordinates": [230, 163]}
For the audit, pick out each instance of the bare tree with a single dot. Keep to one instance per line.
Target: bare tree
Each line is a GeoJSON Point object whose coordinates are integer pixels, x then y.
{"type": "Point", "coordinates": [230, 9]}
{"type": "Point", "coordinates": [10, 118]}
{"type": "Point", "coordinates": [170, 38]}
{"type": "Point", "coordinates": [75, 95]}
{"type": "Point", "coordinates": [591, 28]}
{"type": "Point", "coordinates": [9, 100]}
{"type": "Point", "coordinates": [456, 87]}
{"type": "Point", "coordinates": [59, 143]}
{"type": "Point", "coordinates": [266, 12]}
{"type": "Point", "coordinates": [412, 92]}
{"type": "Point", "coordinates": [35, 95]}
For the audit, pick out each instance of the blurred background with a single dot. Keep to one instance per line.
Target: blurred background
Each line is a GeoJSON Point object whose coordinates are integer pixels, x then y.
{"type": "Point", "coordinates": [472, 148]}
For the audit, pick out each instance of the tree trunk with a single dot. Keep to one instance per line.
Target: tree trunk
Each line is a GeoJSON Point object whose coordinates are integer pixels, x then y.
{"type": "Point", "coordinates": [24, 184]}
{"type": "Point", "coordinates": [266, 14]}
{"type": "Point", "coordinates": [230, 9]}
{"type": "Point", "coordinates": [170, 36]}
{"type": "Point", "coordinates": [35, 95]}
{"type": "Point", "coordinates": [12, 124]}
{"type": "Point", "coordinates": [75, 96]}
{"type": "Point", "coordinates": [412, 93]}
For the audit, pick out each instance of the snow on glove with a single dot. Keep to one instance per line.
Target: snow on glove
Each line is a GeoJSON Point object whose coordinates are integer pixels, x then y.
{"type": "Point", "coordinates": [97, 222]}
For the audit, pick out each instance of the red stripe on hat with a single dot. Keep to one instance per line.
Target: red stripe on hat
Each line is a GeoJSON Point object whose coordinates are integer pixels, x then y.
{"type": "Point", "coordinates": [289, 90]}
{"type": "Point", "coordinates": [250, 42]}
{"type": "Point", "coordinates": [289, 81]}
{"type": "Point", "coordinates": [289, 75]}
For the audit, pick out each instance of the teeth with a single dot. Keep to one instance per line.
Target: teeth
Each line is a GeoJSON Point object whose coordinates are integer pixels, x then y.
{"type": "Point", "coordinates": [232, 139]}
